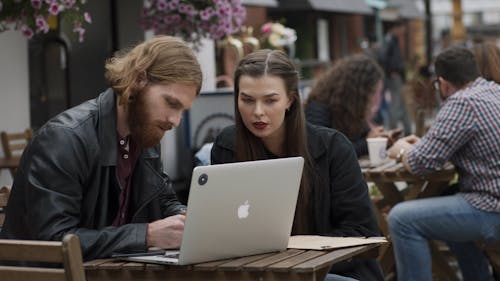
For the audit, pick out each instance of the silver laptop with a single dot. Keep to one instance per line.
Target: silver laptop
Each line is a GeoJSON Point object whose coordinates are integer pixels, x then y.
{"type": "Point", "coordinates": [236, 210]}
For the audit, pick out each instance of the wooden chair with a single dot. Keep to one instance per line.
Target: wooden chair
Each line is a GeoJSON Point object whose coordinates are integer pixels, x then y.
{"type": "Point", "coordinates": [4, 198]}
{"type": "Point", "coordinates": [13, 144]}
{"type": "Point", "coordinates": [67, 253]}
{"type": "Point", "coordinates": [492, 251]}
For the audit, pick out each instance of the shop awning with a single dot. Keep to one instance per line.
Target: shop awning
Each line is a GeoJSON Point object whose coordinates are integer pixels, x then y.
{"type": "Point", "coordinates": [340, 6]}
{"type": "Point", "coordinates": [406, 9]}
{"type": "Point", "coordinates": [261, 3]}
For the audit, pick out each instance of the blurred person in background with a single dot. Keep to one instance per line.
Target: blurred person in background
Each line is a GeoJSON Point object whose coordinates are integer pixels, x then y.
{"type": "Point", "coordinates": [333, 198]}
{"type": "Point", "coordinates": [344, 98]}
{"type": "Point", "coordinates": [488, 59]}
{"type": "Point", "coordinates": [393, 64]}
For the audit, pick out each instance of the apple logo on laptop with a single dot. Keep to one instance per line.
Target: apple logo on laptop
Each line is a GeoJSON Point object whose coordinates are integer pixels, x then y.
{"type": "Point", "coordinates": [243, 210]}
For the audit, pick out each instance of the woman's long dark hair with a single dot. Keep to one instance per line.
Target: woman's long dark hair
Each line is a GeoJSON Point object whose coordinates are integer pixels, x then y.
{"type": "Point", "coordinates": [346, 89]}
{"type": "Point", "coordinates": [249, 147]}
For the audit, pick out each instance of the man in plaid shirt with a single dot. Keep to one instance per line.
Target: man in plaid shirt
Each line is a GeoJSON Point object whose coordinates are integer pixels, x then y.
{"type": "Point", "coordinates": [467, 133]}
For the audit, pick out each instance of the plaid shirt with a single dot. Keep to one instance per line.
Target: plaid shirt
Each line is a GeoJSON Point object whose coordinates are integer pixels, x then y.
{"type": "Point", "coordinates": [467, 133]}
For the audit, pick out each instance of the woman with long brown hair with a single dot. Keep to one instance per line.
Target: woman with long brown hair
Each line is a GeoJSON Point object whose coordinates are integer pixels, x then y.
{"type": "Point", "coordinates": [333, 198]}
{"type": "Point", "coordinates": [344, 97]}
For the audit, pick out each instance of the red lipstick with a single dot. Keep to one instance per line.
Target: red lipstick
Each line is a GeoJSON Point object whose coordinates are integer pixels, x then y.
{"type": "Point", "coordinates": [259, 125]}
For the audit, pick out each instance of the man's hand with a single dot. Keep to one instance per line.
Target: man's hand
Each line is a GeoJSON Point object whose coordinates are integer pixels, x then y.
{"type": "Point", "coordinates": [392, 135]}
{"type": "Point", "coordinates": [166, 233]}
{"type": "Point", "coordinates": [407, 143]}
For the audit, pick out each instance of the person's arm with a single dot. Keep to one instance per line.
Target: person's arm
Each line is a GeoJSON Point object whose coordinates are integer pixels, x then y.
{"type": "Point", "coordinates": [454, 126]}
{"type": "Point", "coordinates": [220, 152]}
{"type": "Point", "coordinates": [360, 146]}
{"type": "Point", "coordinates": [61, 166]}
{"type": "Point", "coordinates": [352, 213]}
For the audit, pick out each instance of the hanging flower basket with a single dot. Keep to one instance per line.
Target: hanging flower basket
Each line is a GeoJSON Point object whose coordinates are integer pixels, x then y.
{"type": "Point", "coordinates": [34, 16]}
{"type": "Point", "coordinates": [193, 20]}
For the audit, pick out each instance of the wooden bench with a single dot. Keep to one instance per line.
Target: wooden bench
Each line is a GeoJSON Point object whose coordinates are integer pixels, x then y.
{"type": "Point", "coordinates": [13, 145]}
{"type": "Point", "coordinates": [67, 253]}
{"type": "Point", "coordinates": [4, 199]}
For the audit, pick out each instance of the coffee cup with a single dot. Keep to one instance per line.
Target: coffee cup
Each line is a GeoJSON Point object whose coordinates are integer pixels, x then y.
{"type": "Point", "coordinates": [377, 151]}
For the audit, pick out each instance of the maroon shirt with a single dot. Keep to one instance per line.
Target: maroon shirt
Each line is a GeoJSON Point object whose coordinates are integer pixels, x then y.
{"type": "Point", "coordinates": [128, 153]}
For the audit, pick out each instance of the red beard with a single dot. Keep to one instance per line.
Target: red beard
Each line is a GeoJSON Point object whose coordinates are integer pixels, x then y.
{"type": "Point", "coordinates": [143, 129]}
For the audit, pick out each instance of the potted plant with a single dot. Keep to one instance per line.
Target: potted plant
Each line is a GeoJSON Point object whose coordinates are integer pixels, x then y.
{"type": "Point", "coordinates": [38, 16]}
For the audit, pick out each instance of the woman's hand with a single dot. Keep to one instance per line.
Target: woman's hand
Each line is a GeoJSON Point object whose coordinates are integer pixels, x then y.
{"type": "Point", "coordinates": [376, 132]}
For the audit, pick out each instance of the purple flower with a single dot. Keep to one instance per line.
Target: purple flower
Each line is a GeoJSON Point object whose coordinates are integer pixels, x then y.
{"type": "Point", "coordinates": [37, 4]}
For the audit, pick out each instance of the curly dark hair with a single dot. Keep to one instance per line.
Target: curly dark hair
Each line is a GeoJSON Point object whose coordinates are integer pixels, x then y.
{"type": "Point", "coordinates": [346, 89]}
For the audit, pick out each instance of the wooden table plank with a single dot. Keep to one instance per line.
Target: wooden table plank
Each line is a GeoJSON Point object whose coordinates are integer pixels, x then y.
{"type": "Point", "coordinates": [293, 261]}
{"type": "Point", "coordinates": [332, 257]}
{"type": "Point", "coordinates": [93, 264]}
{"type": "Point", "coordinates": [237, 264]}
{"type": "Point", "coordinates": [134, 266]}
{"type": "Point", "coordinates": [265, 262]}
{"type": "Point", "coordinates": [112, 264]}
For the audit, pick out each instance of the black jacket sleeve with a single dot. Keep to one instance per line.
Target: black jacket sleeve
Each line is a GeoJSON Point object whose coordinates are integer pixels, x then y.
{"type": "Point", "coordinates": [351, 212]}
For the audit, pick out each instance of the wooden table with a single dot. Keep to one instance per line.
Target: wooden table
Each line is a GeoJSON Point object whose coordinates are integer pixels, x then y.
{"type": "Point", "coordinates": [384, 177]}
{"type": "Point", "coordinates": [291, 265]}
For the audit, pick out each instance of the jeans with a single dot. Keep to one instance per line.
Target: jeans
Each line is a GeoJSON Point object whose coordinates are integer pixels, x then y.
{"type": "Point", "coordinates": [447, 218]}
{"type": "Point", "coordinates": [335, 277]}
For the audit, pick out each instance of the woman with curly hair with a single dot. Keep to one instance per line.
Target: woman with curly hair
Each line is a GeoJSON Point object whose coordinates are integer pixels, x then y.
{"type": "Point", "coordinates": [343, 99]}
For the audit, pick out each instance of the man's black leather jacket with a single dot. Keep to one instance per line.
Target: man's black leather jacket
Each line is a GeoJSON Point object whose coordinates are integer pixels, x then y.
{"type": "Point", "coordinates": [67, 179]}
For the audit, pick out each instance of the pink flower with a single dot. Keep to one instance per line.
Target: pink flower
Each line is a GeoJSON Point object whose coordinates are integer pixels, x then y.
{"type": "Point", "coordinates": [266, 28]}
{"type": "Point", "coordinates": [87, 17]}
{"type": "Point", "coordinates": [27, 32]}
{"type": "Point", "coordinates": [69, 3]}
{"type": "Point", "coordinates": [54, 8]}
{"type": "Point", "coordinates": [161, 5]}
{"type": "Point", "coordinates": [30, 16]}
{"type": "Point", "coordinates": [193, 19]}
{"type": "Point", "coordinates": [81, 32]}
{"type": "Point", "coordinates": [41, 24]}
{"type": "Point", "coordinates": [37, 4]}
{"type": "Point", "coordinates": [205, 14]}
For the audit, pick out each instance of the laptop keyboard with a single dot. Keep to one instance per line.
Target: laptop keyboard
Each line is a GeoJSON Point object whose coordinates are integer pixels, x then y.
{"type": "Point", "coordinates": [172, 255]}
